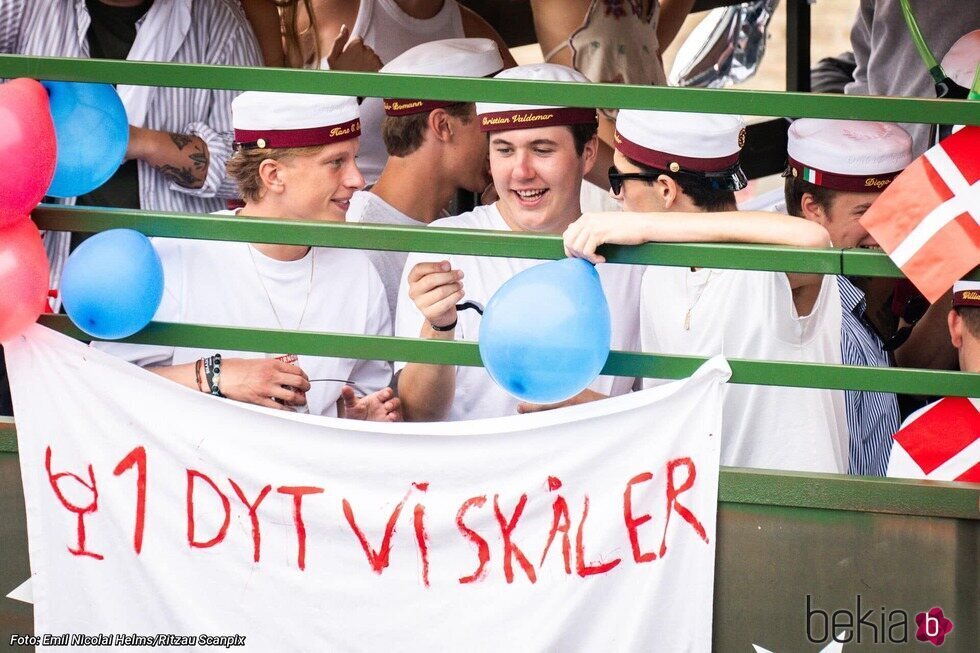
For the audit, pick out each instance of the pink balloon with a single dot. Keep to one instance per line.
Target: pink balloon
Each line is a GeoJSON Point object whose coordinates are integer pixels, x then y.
{"type": "Point", "coordinates": [27, 144]}
{"type": "Point", "coordinates": [23, 277]}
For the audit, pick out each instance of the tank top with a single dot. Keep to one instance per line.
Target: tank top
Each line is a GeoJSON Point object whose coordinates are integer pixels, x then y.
{"type": "Point", "coordinates": [389, 31]}
{"type": "Point", "coordinates": [617, 44]}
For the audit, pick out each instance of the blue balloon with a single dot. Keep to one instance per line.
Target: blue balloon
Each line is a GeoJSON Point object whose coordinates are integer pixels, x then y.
{"type": "Point", "coordinates": [92, 131]}
{"type": "Point", "coordinates": [112, 284]}
{"type": "Point", "coordinates": [545, 333]}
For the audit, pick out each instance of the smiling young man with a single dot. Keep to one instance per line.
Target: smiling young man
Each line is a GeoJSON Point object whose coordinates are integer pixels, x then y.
{"type": "Point", "coordinates": [294, 159]}
{"type": "Point", "coordinates": [676, 175]}
{"type": "Point", "coordinates": [434, 149]}
{"type": "Point", "coordinates": [538, 157]}
{"type": "Point", "coordinates": [836, 170]}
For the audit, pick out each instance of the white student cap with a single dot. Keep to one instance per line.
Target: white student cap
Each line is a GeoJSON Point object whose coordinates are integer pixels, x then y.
{"type": "Point", "coordinates": [847, 155]}
{"type": "Point", "coordinates": [453, 57]}
{"type": "Point", "coordinates": [702, 144]}
{"type": "Point", "coordinates": [263, 119]}
{"type": "Point", "coordinates": [961, 62]}
{"type": "Point", "coordinates": [495, 116]}
{"type": "Point", "coordinates": [966, 293]}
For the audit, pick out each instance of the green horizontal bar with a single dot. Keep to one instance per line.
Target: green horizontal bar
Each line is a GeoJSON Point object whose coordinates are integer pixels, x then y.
{"type": "Point", "coordinates": [798, 490]}
{"type": "Point", "coordinates": [776, 373]}
{"type": "Point", "coordinates": [8, 434]}
{"type": "Point", "coordinates": [850, 493]}
{"type": "Point", "coordinates": [862, 263]}
{"type": "Point", "coordinates": [458, 241]}
{"type": "Point", "coordinates": [430, 239]}
{"type": "Point", "coordinates": [295, 232]}
{"type": "Point", "coordinates": [757, 103]}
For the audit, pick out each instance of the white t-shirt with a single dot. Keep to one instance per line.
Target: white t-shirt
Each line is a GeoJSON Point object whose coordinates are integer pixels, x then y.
{"type": "Point", "coordinates": [751, 314]}
{"type": "Point", "coordinates": [367, 207]}
{"type": "Point", "coordinates": [212, 282]}
{"type": "Point", "coordinates": [477, 395]}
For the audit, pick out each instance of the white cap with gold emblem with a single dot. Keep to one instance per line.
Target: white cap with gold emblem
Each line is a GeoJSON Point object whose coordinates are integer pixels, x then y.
{"type": "Point", "coordinates": [847, 155]}
{"type": "Point", "coordinates": [266, 119]}
{"type": "Point", "coordinates": [495, 116]}
{"type": "Point", "coordinates": [706, 145]}
{"type": "Point", "coordinates": [966, 293]}
{"type": "Point", "coordinates": [455, 57]}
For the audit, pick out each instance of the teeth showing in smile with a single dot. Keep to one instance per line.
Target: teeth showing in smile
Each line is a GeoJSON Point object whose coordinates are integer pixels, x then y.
{"type": "Point", "coordinates": [529, 194]}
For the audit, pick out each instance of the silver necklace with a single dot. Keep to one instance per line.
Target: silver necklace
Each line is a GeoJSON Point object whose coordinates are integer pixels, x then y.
{"type": "Point", "coordinates": [309, 289]}
{"type": "Point", "coordinates": [690, 307]}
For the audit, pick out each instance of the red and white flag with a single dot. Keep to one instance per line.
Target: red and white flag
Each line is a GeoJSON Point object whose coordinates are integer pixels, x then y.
{"type": "Point", "coordinates": [928, 219]}
{"type": "Point", "coordinates": [941, 442]}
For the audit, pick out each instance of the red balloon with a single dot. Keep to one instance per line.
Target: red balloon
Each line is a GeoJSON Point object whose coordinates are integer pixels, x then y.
{"type": "Point", "coordinates": [23, 277]}
{"type": "Point", "coordinates": [27, 143]}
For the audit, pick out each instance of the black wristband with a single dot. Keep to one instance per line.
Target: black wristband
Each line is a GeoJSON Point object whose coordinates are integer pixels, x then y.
{"type": "Point", "coordinates": [448, 327]}
{"type": "Point", "coordinates": [212, 372]}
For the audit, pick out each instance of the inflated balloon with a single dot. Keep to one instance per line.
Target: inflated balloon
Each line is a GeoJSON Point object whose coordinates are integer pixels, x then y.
{"type": "Point", "coordinates": [23, 277]}
{"type": "Point", "coordinates": [545, 333]}
{"type": "Point", "coordinates": [27, 144]}
{"type": "Point", "coordinates": [93, 132]}
{"type": "Point", "coordinates": [112, 284]}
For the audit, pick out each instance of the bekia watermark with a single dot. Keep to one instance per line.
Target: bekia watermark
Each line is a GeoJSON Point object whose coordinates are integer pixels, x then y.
{"type": "Point", "coordinates": [874, 625]}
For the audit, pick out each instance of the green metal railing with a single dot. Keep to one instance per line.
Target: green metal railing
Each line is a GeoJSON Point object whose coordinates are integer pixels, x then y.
{"type": "Point", "coordinates": [488, 243]}
{"type": "Point", "coordinates": [501, 244]}
{"type": "Point", "coordinates": [751, 103]}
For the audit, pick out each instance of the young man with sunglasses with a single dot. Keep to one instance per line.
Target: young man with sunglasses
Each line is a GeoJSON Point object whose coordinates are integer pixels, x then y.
{"type": "Point", "coordinates": [836, 169]}
{"type": "Point", "coordinates": [538, 157]}
{"type": "Point", "coordinates": [676, 175]}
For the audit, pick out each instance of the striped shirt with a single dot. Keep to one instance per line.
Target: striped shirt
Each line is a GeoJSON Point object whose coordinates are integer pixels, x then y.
{"type": "Point", "coordinates": [872, 417]}
{"type": "Point", "coordinates": [219, 34]}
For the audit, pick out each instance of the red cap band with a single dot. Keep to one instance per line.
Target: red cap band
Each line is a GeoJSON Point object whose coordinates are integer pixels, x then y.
{"type": "Point", "coordinates": [967, 297]}
{"type": "Point", "coordinates": [299, 137]}
{"type": "Point", "coordinates": [499, 121]}
{"type": "Point", "coordinates": [837, 181]}
{"type": "Point", "coordinates": [396, 107]}
{"type": "Point", "coordinates": [664, 160]}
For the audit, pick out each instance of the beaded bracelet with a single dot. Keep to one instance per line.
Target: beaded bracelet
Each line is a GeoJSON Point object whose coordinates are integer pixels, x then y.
{"type": "Point", "coordinates": [212, 372]}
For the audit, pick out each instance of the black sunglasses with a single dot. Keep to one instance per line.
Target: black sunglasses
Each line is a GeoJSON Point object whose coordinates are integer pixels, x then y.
{"type": "Point", "coordinates": [616, 178]}
{"type": "Point", "coordinates": [732, 179]}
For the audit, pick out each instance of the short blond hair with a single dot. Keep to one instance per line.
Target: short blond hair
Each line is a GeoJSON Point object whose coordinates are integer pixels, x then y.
{"type": "Point", "coordinates": [243, 166]}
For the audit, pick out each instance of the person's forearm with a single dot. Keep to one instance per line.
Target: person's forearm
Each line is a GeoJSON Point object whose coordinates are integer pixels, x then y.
{"type": "Point", "coordinates": [181, 158]}
{"type": "Point", "coordinates": [929, 345]}
{"type": "Point", "coordinates": [263, 16]}
{"type": "Point", "coordinates": [182, 374]}
{"type": "Point", "coordinates": [427, 391]}
{"type": "Point", "coordinates": [673, 13]}
{"type": "Point", "coordinates": [755, 227]}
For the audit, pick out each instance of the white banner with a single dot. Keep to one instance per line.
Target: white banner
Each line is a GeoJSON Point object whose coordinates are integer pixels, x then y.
{"type": "Point", "coordinates": [162, 513]}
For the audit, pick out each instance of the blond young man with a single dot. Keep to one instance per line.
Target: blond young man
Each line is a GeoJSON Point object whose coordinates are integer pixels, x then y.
{"type": "Point", "coordinates": [294, 159]}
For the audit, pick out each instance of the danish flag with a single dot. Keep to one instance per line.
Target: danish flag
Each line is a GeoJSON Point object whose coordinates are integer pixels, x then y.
{"type": "Point", "coordinates": [940, 442]}
{"type": "Point", "coordinates": [928, 219]}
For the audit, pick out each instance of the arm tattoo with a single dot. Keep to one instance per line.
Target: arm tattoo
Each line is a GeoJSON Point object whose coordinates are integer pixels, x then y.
{"type": "Point", "coordinates": [182, 176]}
{"type": "Point", "coordinates": [195, 171]}
{"type": "Point", "coordinates": [180, 140]}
